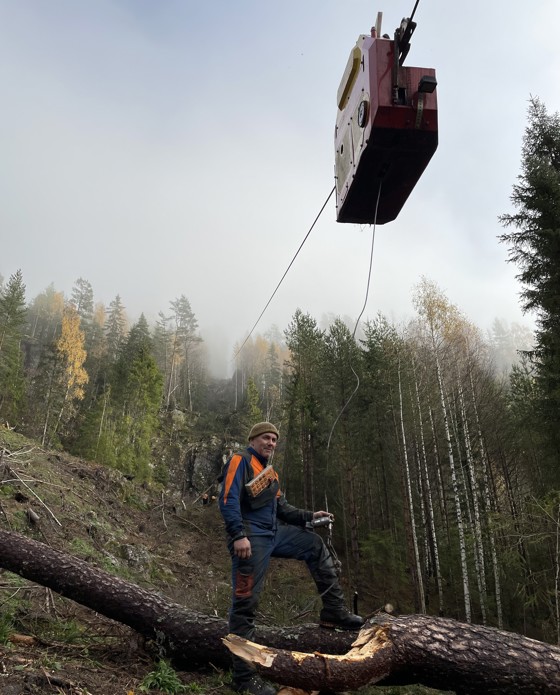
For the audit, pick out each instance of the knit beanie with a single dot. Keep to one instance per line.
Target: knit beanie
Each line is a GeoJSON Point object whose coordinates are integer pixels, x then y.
{"type": "Point", "coordinates": [262, 428]}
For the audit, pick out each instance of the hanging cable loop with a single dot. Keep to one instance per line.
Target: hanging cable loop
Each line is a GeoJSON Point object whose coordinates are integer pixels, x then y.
{"type": "Point", "coordinates": [329, 538]}
{"type": "Point", "coordinates": [356, 325]}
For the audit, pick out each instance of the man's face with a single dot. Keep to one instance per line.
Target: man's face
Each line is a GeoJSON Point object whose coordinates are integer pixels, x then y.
{"type": "Point", "coordinates": [264, 444]}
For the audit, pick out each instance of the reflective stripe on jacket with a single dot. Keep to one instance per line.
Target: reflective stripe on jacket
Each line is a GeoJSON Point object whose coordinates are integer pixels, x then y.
{"type": "Point", "coordinates": [245, 515]}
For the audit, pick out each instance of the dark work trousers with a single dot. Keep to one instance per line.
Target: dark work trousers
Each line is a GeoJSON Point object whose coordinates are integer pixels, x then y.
{"type": "Point", "coordinates": [248, 577]}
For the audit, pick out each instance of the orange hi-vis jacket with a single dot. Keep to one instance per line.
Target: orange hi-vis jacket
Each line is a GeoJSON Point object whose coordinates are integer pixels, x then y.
{"type": "Point", "coordinates": [245, 515]}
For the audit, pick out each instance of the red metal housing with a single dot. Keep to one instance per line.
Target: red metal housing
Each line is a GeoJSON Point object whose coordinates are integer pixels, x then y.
{"type": "Point", "coordinates": [386, 131]}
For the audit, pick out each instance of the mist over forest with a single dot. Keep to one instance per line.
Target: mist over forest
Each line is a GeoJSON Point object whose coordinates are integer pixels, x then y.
{"type": "Point", "coordinates": [219, 346]}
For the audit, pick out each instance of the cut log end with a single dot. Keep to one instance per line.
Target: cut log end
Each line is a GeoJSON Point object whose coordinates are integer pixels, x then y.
{"type": "Point", "coordinates": [251, 652]}
{"type": "Point", "coordinates": [368, 661]}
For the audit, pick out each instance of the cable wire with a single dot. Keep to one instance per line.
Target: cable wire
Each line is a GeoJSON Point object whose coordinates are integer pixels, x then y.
{"type": "Point", "coordinates": [357, 322]}
{"type": "Point", "coordinates": [329, 538]}
{"type": "Point", "coordinates": [286, 271]}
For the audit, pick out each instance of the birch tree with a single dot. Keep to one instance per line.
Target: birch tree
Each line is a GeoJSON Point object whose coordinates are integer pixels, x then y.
{"type": "Point", "coordinates": [412, 516]}
{"type": "Point", "coordinates": [488, 505]}
{"type": "Point", "coordinates": [439, 317]}
{"type": "Point", "coordinates": [67, 377]}
{"type": "Point", "coordinates": [427, 488]}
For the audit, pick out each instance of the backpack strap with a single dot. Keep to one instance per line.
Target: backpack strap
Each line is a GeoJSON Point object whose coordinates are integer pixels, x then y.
{"type": "Point", "coordinates": [246, 454]}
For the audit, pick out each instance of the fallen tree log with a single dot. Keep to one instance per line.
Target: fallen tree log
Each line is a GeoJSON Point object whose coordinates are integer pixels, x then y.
{"type": "Point", "coordinates": [436, 652]}
{"type": "Point", "coordinates": [188, 637]}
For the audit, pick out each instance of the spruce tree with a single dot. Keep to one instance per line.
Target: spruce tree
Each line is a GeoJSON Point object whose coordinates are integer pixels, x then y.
{"type": "Point", "coordinates": [82, 299]}
{"type": "Point", "coordinates": [535, 248]}
{"type": "Point", "coordinates": [12, 325]}
{"type": "Point", "coordinates": [115, 329]}
{"type": "Point", "coordinates": [119, 428]}
{"type": "Point", "coordinates": [306, 405]}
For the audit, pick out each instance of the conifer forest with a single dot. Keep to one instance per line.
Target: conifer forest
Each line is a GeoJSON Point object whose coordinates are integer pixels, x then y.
{"type": "Point", "coordinates": [435, 445]}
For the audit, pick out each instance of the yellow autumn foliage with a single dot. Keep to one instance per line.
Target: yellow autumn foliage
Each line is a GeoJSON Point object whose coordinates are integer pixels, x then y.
{"type": "Point", "coordinates": [71, 349]}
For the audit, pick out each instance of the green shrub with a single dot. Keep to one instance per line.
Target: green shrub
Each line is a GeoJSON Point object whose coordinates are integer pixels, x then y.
{"type": "Point", "coordinates": [164, 678]}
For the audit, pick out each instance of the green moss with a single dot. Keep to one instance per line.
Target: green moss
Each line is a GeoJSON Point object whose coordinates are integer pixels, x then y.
{"type": "Point", "coordinates": [160, 573]}
{"type": "Point", "coordinates": [12, 440]}
{"type": "Point", "coordinates": [82, 548]}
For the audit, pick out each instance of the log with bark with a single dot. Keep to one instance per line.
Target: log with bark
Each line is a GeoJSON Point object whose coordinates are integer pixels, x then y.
{"type": "Point", "coordinates": [188, 637]}
{"type": "Point", "coordinates": [436, 652]}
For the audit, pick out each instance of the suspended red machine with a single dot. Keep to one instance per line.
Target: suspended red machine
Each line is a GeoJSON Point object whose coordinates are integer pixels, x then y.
{"type": "Point", "coordinates": [386, 127]}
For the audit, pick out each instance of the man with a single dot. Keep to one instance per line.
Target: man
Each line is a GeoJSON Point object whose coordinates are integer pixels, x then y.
{"type": "Point", "coordinates": [251, 504]}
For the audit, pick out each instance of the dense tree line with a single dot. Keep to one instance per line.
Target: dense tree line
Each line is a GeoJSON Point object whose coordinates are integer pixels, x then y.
{"type": "Point", "coordinates": [435, 446]}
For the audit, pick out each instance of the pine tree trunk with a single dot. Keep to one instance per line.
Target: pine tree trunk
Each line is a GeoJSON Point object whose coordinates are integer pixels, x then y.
{"type": "Point", "coordinates": [189, 637]}
{"type": "Point", "coordinates": [435, 652]}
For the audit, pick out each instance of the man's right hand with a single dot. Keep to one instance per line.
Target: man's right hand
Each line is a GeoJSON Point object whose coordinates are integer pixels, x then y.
{"type": "Point", "coordinates": [242, 548]}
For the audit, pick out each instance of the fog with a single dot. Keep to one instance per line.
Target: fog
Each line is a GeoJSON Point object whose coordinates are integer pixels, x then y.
{"type": "Point", "coordinates": [185, 148]}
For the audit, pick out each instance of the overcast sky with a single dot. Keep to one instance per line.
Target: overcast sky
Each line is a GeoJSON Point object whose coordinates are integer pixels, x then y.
{"type": "Point", "coordinates": [165, 147]}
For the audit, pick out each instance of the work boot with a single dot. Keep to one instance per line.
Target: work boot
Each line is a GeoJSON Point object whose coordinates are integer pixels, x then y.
{"type": "Point", "coordinates": [254, 686]}
{"type": "Point", "coordinates": [340, 618]}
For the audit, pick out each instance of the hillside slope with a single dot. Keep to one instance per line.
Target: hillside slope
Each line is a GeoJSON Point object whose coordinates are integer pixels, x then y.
{"type": "Point", "coordinates": [49, 644]}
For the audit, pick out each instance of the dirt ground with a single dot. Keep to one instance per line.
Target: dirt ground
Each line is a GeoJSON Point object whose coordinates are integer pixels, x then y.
{"type": "Point", "coordinates": [49, 644]}
{"type": "Point", "coordinates": [47, 671]}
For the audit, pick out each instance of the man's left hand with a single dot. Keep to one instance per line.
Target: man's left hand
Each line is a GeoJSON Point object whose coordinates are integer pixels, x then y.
{"type": "Point", "coordinates": [322, 513]}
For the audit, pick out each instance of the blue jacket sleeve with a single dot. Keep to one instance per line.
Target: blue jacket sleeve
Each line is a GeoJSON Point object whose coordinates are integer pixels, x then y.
{"type": "Point", "coordinates": [230, 497]}
{"type": "Point", "coordinates": [290, 514]}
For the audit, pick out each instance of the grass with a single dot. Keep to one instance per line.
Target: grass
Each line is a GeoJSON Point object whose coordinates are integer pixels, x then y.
{"type": "Point", "coordinates": [165, 678]}
{"type": "Point", "coordinates": [6, 627]}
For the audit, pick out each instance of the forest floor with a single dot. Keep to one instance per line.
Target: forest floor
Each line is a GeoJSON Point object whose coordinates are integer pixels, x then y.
{"type": "Point", "coordinates": [51, 645]}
